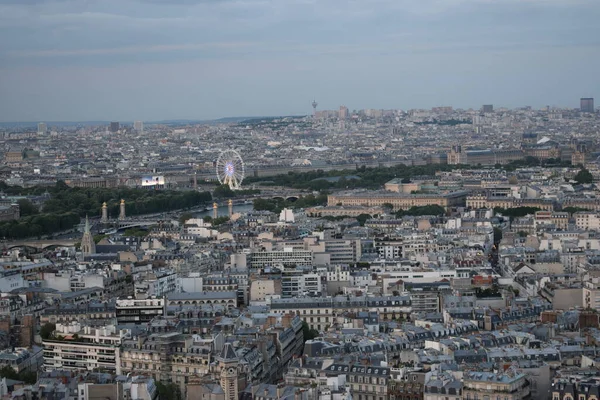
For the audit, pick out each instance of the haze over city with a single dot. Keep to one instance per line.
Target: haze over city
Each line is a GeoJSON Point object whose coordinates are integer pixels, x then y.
{"type": "Point", "coordinates": [199, 59]}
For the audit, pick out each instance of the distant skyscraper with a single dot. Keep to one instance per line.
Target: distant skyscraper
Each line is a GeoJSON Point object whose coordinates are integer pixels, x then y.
{"type": "Point", "coordinates": [488, 108]}
{"type": "Point", "coordinates": [115, 126]}
{"type": "Point", "coordinates": [138, 126]}
{"type": "Point", "coordinates": [42, 128]}
{"type": "Point", "coordinates": [587, 104]}
{"type": "Point", "coordinates": [343, 112]}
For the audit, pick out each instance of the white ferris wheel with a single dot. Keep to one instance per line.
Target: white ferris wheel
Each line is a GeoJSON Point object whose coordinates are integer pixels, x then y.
{"type": "Point", "coordinates": [230, 169]}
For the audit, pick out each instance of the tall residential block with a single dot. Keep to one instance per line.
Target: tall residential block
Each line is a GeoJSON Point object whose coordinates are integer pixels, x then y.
{"type": "Point", "coordinates": [587, 104]}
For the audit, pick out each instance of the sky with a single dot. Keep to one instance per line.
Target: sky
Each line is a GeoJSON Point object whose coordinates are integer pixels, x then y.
{"type": "Point", "coordinates": [125, 60]}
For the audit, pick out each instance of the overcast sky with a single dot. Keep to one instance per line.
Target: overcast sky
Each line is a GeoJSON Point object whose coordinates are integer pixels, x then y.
{"type": "Point", "coordinates": [125, 60]}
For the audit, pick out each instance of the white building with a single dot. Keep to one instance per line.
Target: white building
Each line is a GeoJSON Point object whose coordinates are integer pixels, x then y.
{"type": "Point", "coordinates": [84, 349]}
{"type": "Point", "coordinates": [296, 282]}
{"type": "Point", "coordinates": [192, 283]}
{"type": "Point", "coordinates": [10, 279]}
{"type": "Point", "coordinates": [587, 220]}
{"type": "Point", "coordinates": [287, 215]}
{"type": "Point", "coordinates": [261, 258]}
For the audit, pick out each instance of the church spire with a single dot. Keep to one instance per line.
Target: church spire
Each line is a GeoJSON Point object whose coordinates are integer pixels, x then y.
{"type": "Point", "coordinates": [88, 246]}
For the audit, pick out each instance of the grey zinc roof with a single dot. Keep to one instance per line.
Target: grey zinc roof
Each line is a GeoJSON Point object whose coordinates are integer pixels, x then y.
{"type": "Point", "coordinates": [227, 353]}
{"type": "Point", "coordinates": [202, 295]}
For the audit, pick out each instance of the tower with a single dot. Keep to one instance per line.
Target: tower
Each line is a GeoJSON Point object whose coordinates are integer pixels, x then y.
{"type": "Point", "coordinates": [104, 213]}
{"type": "Point", "coordinates": [343, 114]}
{"type": "Point", "coordinates": [587, 104]}
{"type": "Point", "coordinates": [215, 210]}
{"type": "Point", "coordinates": [228, 363]}
{"type": "Point", "coordinates": [314, 106]}
{"type": "Point", "coordinates": [42, 128]}
{"type": "Point", "coordinates": [195, 181]}
{"type": "Point", "coordinates": [230, 205]}
{"type": "Point", "coordinates": [457, 155]}
{"type": "Point", "coordinates": [122, 210]}
{"type": "Point", "coordinates": [88, 246]}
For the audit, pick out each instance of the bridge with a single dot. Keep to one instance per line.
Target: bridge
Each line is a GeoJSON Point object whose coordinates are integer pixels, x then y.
{"type": "Point", "coordinates": [40, 244]}
{"type": "Point", "coordinates": [136, 223]}
{"type": "Point", "coordinates": [276, 192]}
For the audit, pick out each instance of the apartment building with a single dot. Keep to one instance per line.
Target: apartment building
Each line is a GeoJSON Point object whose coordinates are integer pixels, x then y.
{"type": "Point", "coordinates": [226, 299]}
{"type": "Point", "coordinates": [320, 312]}
{"type": "Point", "coordinates": [587, 220]}
{"type": "Point", "coordinates": [84, 348]}
{"type": "Point", "coordinates": [287, 256]}
{"type": "Point", "coordinates": [167, 356]}
{"type": "Point", "coordinates": [366, 382]}
{"type": "Point", "coordinates": [510, 385]}
{"type": "Point", "coordinates": [139, 311]}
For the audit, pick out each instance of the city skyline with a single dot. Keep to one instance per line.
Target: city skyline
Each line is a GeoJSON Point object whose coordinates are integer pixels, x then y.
{"type": "Point", "coordinates": [132, 121]}
{"type": "Point", "coordinates": [198, 59]}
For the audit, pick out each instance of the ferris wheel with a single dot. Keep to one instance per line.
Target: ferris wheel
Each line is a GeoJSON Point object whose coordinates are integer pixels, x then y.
{"type": "Point", "coordinates": [230, 169]}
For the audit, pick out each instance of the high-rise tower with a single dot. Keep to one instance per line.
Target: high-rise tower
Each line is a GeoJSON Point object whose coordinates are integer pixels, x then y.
{"type": "Point", "coordinates": [228, 363]}
{"type": "Point", "coordinates": [42, 128]}
{"type": "Point", "coordinates": [314, 106]}
{"type": "Point", "coordinates": [138, 126]}
{"type": "Point", "coordinates": [343, 113]}
{"type": "Point", "coordinates": [587, 104]}
{"type": "Point", "coordinates": [88, 246]}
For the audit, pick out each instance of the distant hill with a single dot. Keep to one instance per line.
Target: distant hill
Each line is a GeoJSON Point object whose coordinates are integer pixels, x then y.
{"type": "Point", "coordinates": [61, 124]}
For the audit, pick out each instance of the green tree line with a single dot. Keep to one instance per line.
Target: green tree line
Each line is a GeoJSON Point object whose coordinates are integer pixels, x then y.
{"type": "Point", "coordinates": [67, 205]}
{"type": "Point", "coordinates": [38, 225]}
{"type": "Point", "coordinates": [278, 204]}
{"type": "Point", "coordinates": [370, 178]}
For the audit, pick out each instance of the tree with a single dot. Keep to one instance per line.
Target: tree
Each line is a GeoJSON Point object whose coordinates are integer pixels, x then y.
{"type": "Point", "coordinates": [584, 176]}
{"type": "Point", "coordinates": [309, 334]}
{"type": "Point", "coordinates": [220, 220]}
{"type": "Point", "coordinates": [362, 218]}
{"type": "Point", "coordinates": [98, 238]}
{"type": "Point", "coordinates": [432, 209]}
{"type": "Point", "coordinates": [516, 211]}
{"type": "Point", "coordinates": [572, 210]}
{"type": "Point", "coordinates": [47, 329]}
{"type": "Point", "coordinates": [387, 206]}
{"type": "Point", "coordinates": [168, 391]}
{"type": "Point", "coordinates": [184, 217]}
{"type": "Point", "coordinates": [9, 373]}
{"type": "Point", "coordinates": [135, 232]}
{"type": "Point", "coordinates": [26, 207]}
{"type": "Point", "coordinates": [223, 192]}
